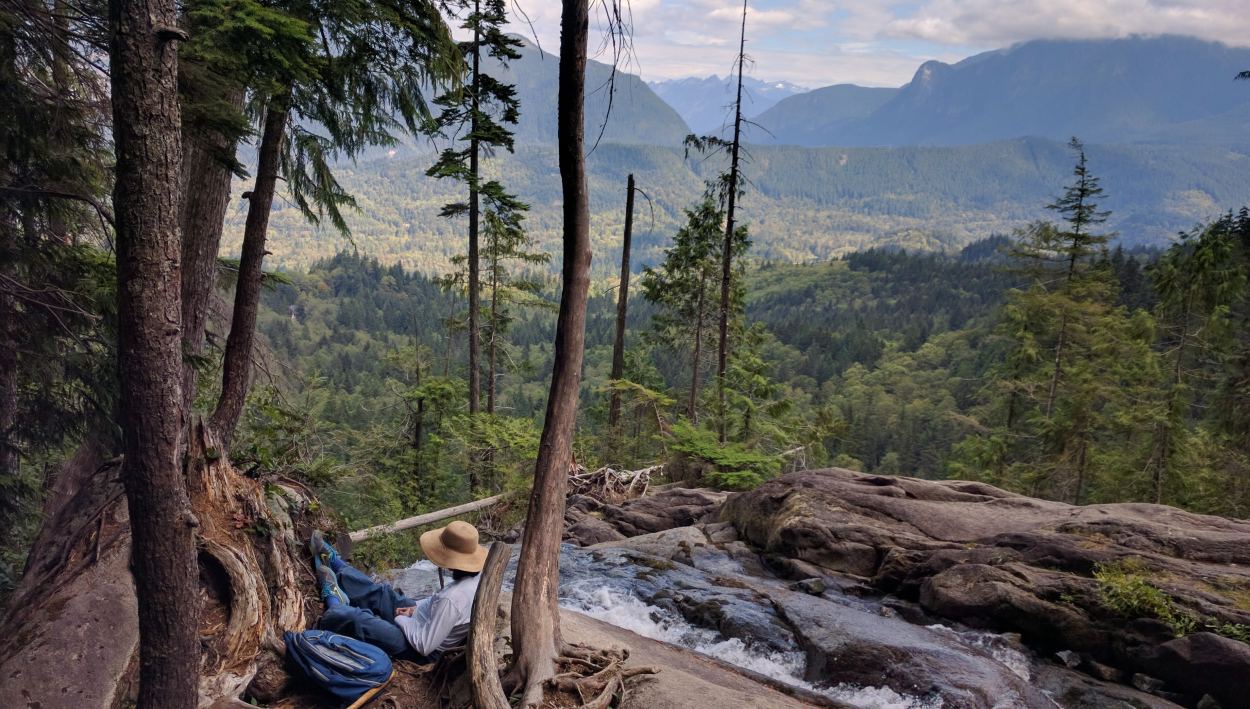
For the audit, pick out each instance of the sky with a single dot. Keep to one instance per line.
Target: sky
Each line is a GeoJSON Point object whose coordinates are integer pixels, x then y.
{"type": "Point", "coordinates": [871, 42]}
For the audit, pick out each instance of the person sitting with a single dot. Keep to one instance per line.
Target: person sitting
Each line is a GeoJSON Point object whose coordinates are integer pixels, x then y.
{"type": "Point", "coordinates": [376, 613]}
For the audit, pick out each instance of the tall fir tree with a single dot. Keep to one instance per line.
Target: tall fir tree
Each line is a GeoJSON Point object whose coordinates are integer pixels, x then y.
{"type": "Point", "coordinates": [684, 286]}
{"type": "Point", "coordinates": [477, 115]}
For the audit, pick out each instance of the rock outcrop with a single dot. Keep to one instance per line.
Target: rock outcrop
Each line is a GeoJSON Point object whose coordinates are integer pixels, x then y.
{"type": "Point", "coordinates": [1128, 587]}
{"type": "Point", "coordinates": [590, 521]}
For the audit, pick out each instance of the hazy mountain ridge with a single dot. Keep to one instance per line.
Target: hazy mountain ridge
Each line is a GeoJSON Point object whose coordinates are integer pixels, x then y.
{"type": "Point", "coordinates": [704, 102]}
{"type": "Point", "coordinates": [1162, 89]}
{"type": "Point", "coordinates": [802, 203]}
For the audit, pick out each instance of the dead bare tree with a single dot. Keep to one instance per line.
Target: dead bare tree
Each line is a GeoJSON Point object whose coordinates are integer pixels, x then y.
{"type": "Point", "coordinates": [727, 252]}
{"type": "Point", "coordinates": [622, 306]}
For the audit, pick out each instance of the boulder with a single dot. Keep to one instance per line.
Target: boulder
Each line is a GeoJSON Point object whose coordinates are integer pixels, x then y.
{"type": "Point", "coordinates": [674, 507]}
{"type": "Point", "coordinates": [1205, 663]}
{"type": "Point", "coordinates": [844, 645]}
{"type": "Point", "coordinates": [993, 559]}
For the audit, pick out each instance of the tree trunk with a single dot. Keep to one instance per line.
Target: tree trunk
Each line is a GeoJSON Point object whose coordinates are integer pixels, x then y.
{"type": "Point", "coordinates": [727, 254]}
{"type": "Point", "coordinates": [9, 455]}
{"type": "Point", "coordinates": [692, 406]}
{"type": "Point", "coordinates": [236, 375]}
{"type": "Point", "coordinates": [494, 331]}
{"type": "Point", "coordinates": [147, 203]}
{"type": "Point", "coordinates": [206, 194]}
{"type": "Point", "coordinates": [483, 668]}
{"type": "Point", "coordinates": [1053, 393]}
{"type": "Point", "coordinates": [535, 616]}
{"type": "Point", "coordinates": [622, 307]}
{"type": "Point", "coordinates": [475, 373]}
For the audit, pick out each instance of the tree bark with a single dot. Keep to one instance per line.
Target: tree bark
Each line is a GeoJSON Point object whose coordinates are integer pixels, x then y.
{"type": "Point", "coordinates": [727, 253]}
{"type": "Point", "coordinates": [206, 194]}
{"type": "Point", "coordinates": [491, 355]}
{"type": "Point", "coordinates": [535, 615]}
{"type": "Point", "coordinates": [692, 407]}
{"type": "Point", "coordinates": [9, 453]}
{"type": "Point", "coordinates": [475, 373]}
{"type": "Point", "coordinates": [622, 306]}
{"type": "Point", "coordinates": [236, 375]}
{"type": "Point", "coordinates": [483, 669]}
{"type": "Point", "coordinates": [147, 203]}
{"type": "Point", "coordinates": [9, 458]}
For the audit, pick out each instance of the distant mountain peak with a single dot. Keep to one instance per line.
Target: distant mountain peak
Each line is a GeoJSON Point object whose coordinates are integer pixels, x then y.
{"type": "Point", "coordinates": [1166, 88]}
{"type": "Point", "coordinates": [703, 102]}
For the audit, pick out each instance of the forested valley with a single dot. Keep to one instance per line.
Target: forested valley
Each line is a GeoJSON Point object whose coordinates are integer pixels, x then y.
{"type": "Point", "coordinates": [277, 276]}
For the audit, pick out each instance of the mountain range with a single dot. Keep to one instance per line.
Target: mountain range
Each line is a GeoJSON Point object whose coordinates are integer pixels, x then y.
{"type": "Point", "coordinates": [932, 165]}
{"type": "Point", "coordinates": [1162, 89]}
{"type": "Point", "coordinates": [705, 103]}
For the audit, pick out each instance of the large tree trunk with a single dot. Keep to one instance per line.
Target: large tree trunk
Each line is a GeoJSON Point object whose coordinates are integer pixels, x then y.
{"type": "Point", "coordinates": [535, 615]}
{"type": "Point", "coordinates": [256, 584]}
{"type": "Point", "coordinates": [9, 455]}
{"type": "Point", "coordinates": [236, 375]}
{"type": "Point", "coordinates": [206, 194]}
{"type": "Point", "coordinates": [147, 203]}
{"type": "Point", "coordinates": [622, 306]}
{"type": "Point", "coordinates": [8, 305]}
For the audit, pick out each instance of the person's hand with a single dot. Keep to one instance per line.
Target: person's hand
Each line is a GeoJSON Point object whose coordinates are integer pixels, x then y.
{"type": "Point", "coordinates": [406, 611]}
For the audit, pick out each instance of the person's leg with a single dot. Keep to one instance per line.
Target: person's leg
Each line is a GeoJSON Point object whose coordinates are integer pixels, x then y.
{"type": "Point", "coordinates": [364, 625]}
{"type": "Point", "coordinates": [364, 592]}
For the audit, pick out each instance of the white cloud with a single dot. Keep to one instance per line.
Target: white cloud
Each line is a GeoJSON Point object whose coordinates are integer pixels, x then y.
{"type": "Point", "coordinates": [996, 23]}
{"type": "Point", "coordinates": [874, 42]}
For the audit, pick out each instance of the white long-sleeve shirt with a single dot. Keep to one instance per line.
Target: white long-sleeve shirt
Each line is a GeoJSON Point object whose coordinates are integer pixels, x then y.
{"type": "Point", "coordinates": [441, 621]}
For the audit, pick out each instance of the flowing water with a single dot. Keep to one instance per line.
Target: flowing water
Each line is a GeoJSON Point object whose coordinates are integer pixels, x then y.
{"type": "Point", "coordinates": [661, 600]}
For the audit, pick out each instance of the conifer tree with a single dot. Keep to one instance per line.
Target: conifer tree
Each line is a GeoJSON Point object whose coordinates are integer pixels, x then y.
{"type": "Point", "coordinates": [683, 285]}
{"type": "Point", "coordinates": [506, 243]}
{"type": "Point", "coordinates": [359, 82]}
{"type": "Point", "coordinates": [483, 109]}
{"type": "Point", "coordinates": [1074, 358]}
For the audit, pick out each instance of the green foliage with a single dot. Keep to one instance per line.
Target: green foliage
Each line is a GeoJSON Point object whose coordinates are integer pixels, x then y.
{"type": "Point", "coordinates": [1126, 591]}
{"type": "Point", "coordinates": [731, 466]}
{"type": "Point", "coordinates": [1124, 587]}
{"type": "Point", "coordinates": [806, 205]}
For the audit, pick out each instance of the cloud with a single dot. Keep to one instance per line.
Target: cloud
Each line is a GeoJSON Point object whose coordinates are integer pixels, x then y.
{"type": "Point", "coordinates": [997, 23]}
{"type": "Point", "coordinates": [873, 42]}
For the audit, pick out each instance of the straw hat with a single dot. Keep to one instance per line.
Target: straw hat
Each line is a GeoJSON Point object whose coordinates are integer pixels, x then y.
{"type": "Point", "coordinates": [454, 547]}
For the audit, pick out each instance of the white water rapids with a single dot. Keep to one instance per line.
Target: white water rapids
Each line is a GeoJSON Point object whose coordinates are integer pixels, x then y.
{"type": "Point", "coordinates": [626, 611]}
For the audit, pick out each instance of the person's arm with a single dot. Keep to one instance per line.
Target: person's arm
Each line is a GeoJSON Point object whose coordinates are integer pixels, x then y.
{"type": "Point", "coordinates": [426, 637]}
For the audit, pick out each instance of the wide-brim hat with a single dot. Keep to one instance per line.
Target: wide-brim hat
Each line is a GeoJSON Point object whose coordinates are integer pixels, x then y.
{"type": "Point", "coordinates": [455, 547]}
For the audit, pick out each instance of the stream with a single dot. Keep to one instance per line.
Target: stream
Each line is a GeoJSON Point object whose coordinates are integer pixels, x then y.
{"type": "Point", "coordinates": [852, 648]}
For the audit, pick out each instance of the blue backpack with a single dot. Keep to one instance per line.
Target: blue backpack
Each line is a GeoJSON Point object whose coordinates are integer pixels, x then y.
{"type": "Point", "coordinates": [349, 669]}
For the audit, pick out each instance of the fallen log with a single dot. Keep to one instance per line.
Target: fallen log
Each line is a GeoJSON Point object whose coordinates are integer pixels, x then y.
{"type": "Point", "coordinates": [427, 518]}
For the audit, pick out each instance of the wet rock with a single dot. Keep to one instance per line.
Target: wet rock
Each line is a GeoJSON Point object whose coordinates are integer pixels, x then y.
{"type": "Point", "coordinates": [1073, 690]}
{"type": "Point", "coordinates": [671, 544]}
{"type": "Point", "coordinates": [1209, 702]}
{"type": "Point", "coordinates": [989, 558]}
{"type": "Point", "coordinates": [588, 529]}
{"type": "Point", "coordinates": [812, 586]}
{"type": "Point", "coordinates": [1069, 659]}
{"type": "Point", "coordinates": [846, 645]}
{"type": "Point", "coordinates": [668, 509]}
{"type": "Point", "coordinates": [1102, 672]}
{"type": "Point", "coordinates": [1204, 663]}
{"type": "Point", "coordinates": [721, 532]}
{"type": "Point", "coordinates": [1146, 683]}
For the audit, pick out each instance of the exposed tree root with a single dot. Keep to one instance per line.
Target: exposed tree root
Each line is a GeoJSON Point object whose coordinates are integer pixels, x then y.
{"type": "Point", "coordinates": [590, 678]}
